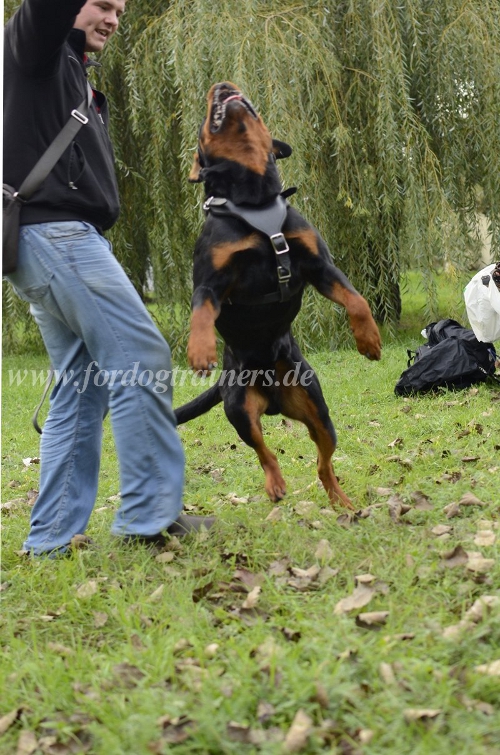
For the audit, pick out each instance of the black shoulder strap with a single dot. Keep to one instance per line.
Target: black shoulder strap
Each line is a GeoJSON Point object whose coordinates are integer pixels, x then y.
{"type": "Point", "coordinates": [52, 154]}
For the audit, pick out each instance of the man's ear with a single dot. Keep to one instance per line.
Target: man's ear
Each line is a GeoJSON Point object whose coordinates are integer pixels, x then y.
{"type": "Point", "coordinates": [194, 177]}
{"type": "Point", "coordinates": [281, 149]}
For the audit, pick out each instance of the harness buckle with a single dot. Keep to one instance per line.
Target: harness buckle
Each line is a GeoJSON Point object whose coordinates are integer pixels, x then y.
{"type": "Point", "coordinates": [284, 275]}
{"type": "Point", "coordinates": [79, 116]}
{"type": "Point", "coordinates": [279, 243]}
{"type": "Point", "coordinates": [213, 202]}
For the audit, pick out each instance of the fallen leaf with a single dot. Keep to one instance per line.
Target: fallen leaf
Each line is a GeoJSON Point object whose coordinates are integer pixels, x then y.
{"type": "Point", "coordinates": [88, 589]}
{"type": "Point", "coordinates": [248, 578]}
{"type": "Point", "coordinates": [481, 607]}
{"type": "Point", "coordinates": [252, 599]}
{"type": "Point", "coordinates": [100, 619]}
{"type": "Point", "coordinates": [452, 510]}
{"type": "Point", "coordinates": [456, 557]}
{"type": "Point", "coordinates": [360, 597]}
{"type": "Point", "coordinates": [372, 619]}
{"type": "Point", "coordinates": [8, 719]}
{"type": "Point", "coordinates": [387, 673]}
{"type": "Point", "coordinates": [157, 594]}
{"type": "Point", "coordinates": [485, 538]}
{"type": "Point", "coordinates": [479, 705]}
{"type": "Point", "coordinates": [421, 714]}
{"type": "Point", "coordinates": [422, 502]}
{"type": "Point", "coordinates": [127, 674]}
{"type": "Point", "coordinates": [27, 743]}
{"type": "Point", "coordinates": [298, 733]}
{"type": "Point", "coordinates": [275, 515]}
{"type": "Point", "coordinates": [323, 552]}
{"type": "Point", "coordinates": [469, 499]}
{"type": "Point", "coordinates": [265, 711]}
{"type": "Point", "coordinates": [365, 579]}
{"type": "Point", "coordinates": [56, 647]}
{"type": "Point", "coordinates": [165, 557]}
{"type": "Point", "coordinates": [479, 565]}
{"type": "Point", "coordinates": [365, 736]}
{"type": "Point", "coordinates": [491, 669]}
{"type": "Point", "coordinates": [441, 529]}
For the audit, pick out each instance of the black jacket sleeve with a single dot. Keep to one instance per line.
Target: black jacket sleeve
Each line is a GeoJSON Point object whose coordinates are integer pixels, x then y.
{"type": "Point", "coordinates": [37, 32]}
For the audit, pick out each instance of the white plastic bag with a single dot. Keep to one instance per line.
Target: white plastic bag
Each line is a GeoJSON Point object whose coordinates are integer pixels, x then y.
{"type": "Point", "coordinates": [483, 306]}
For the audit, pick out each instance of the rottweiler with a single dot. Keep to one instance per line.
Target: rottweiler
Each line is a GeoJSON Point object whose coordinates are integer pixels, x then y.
{"type": "Point", "coordinates": [252, 261]}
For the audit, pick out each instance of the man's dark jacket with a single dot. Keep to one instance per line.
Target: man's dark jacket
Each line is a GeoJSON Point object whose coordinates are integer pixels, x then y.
{"type": "Point", "coordinates": [44, 80]}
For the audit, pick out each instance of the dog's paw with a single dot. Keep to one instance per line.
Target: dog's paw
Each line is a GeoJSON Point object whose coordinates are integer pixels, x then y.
{"type": "Point", "coordinates": [202, 360]}
{"type": "Point", "coordinates": [368, 342]}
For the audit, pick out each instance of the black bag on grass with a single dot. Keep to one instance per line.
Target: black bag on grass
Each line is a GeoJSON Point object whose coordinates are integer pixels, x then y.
{"type": "Point", "coordinates": [452, 358]}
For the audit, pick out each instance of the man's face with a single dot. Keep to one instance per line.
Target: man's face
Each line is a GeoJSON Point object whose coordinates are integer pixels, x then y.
{"type": "Point", "coordinates": [99, 20]}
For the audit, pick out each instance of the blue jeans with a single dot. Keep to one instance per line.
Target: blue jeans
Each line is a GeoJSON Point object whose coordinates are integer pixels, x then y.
{"type": "Point", "coordinates": [107, 353]}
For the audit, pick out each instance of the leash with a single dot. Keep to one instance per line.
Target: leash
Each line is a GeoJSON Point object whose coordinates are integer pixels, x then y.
{"type": "Point", "coordinates": [46, 387]}
{"type": "Point", "coordinates": [268, 219]}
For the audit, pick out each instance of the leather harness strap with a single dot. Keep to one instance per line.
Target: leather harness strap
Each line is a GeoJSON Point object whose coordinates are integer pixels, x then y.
{"type": "Point", "coordinates": [268, 219]}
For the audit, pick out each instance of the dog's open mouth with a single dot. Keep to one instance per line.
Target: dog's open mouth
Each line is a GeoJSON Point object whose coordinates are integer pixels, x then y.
{"type": "Point", "coordinates": [223, 95]}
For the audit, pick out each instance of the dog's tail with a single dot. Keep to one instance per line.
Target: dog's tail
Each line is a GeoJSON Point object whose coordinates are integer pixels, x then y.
{"type": "Point", "coordinates": [199, 405]}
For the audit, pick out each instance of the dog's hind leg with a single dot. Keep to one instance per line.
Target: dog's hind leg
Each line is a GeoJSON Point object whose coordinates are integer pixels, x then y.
{"type": "Point", "coordinates": [306, 404]}
{"type": "Point", "coordinates": [244, 410]}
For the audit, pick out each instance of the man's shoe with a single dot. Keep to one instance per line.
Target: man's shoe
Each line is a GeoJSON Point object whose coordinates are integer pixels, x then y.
{"type": "Point", "coordinates": [183, 525]}
{"type": "Point", "coordinates": [186, 525]}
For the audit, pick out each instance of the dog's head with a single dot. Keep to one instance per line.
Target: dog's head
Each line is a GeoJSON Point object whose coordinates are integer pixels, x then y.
{"type": "Point", "coordinates": [236, 155]}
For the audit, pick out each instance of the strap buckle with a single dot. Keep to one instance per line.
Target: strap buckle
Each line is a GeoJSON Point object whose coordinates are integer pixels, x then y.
{"type": "Point", "coordinates": [213, 202]}
{"type": "Point", "coordinates": [279, 243]}
{"type": "Point", "coordinates": [79, 116]}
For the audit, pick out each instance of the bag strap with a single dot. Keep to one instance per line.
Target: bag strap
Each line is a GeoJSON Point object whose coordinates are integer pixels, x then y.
{"type": "Point", "coordinates": [52, 154]}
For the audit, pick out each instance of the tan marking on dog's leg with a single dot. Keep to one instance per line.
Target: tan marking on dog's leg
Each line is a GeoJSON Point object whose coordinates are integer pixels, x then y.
{"type": "Point", "coordinates": [297, 404]}
{"type": "Point", "coordinates": [202, 345]}
{"type": "Point", "coordinates": [307, 238]}
{"type": "Point", "coordinates": [255, 406]}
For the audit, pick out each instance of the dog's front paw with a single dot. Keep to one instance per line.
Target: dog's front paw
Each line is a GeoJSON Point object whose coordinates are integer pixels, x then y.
{"type": "Point", "coordinates": [202, 357]}
{"type": "Point", "coordinates": [368, 342]}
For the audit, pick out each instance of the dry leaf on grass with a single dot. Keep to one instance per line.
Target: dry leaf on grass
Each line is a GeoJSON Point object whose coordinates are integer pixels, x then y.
{"type": "Point", "coordinates": [27, 743]}
{"type": "Point", "coordinates": [127, 675]}
{"type": "Point", "coordinates": [422, 502]}
{"type": "Point", "coordinates": [324, 551]}
{"type": "Point", "coordinates": [485, 538]}
{"type": "Point", "coordinates": [252, 598]}
{"type": "Point", "coordinates": [441, 529]}
{"type": "Point", "coordinates": [156, 595]}
{"type": "Point", "coordinates": [10, 718]}
{"type": "Point", "coordinates": [298, 734]}
{"type": "Point", "coordinates": [372, 619]}
{"type": "Point", "coordinates": [452, 510]}
{"type": "Point", "coordinates": [360, 597]}
{"type": "Point", "coordinates": [87, 589]}
{"type": "Point", "coordinates": [477, 612]}
{"type": "Point", "coordinates": [56, 647]}
{"type": "Point", "coordinates": [165, 557]}
{"type": "Point", "coordinates": [469, 499]}
{"type": "Point", "coordinates": [275, 515]}
{"type": "Point", "coordinates": [456, 557]}
{"type": "Point", "coordinates": [421, 714]}
{"type": "Point", "coordinates": [100, 619]}
{"type": "Point", "coordinates": [387, 673]}
{"type": "Point", "coordinates": [491, 669]}
{"type": "Point", "coordinates": [478, 564]}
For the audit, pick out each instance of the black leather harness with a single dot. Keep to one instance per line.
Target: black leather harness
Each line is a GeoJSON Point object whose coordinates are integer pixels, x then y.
{"type": "Point", "coordinates": [269, 220]}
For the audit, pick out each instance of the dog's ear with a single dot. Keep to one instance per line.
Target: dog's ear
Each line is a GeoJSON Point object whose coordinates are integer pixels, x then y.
{"type": "Point", "coordinates": [281, 149]}
{"type": "Point", "coordinates": [195, 177]}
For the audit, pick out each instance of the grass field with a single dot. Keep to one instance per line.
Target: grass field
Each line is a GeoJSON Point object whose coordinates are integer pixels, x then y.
{"type": "Point", "coordinates": [291, 627]}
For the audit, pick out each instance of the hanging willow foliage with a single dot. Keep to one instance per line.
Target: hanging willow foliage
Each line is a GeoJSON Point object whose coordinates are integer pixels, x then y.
{"type": "Point", "coordinates": [391, 108]}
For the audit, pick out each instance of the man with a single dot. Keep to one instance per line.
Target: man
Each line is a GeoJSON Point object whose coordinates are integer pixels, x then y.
{"type": "Point", "coordinates": [102, 343]}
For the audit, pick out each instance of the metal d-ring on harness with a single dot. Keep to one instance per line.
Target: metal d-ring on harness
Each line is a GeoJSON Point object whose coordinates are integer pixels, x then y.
{"type": "Point", "coordinates": [268, 219]}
